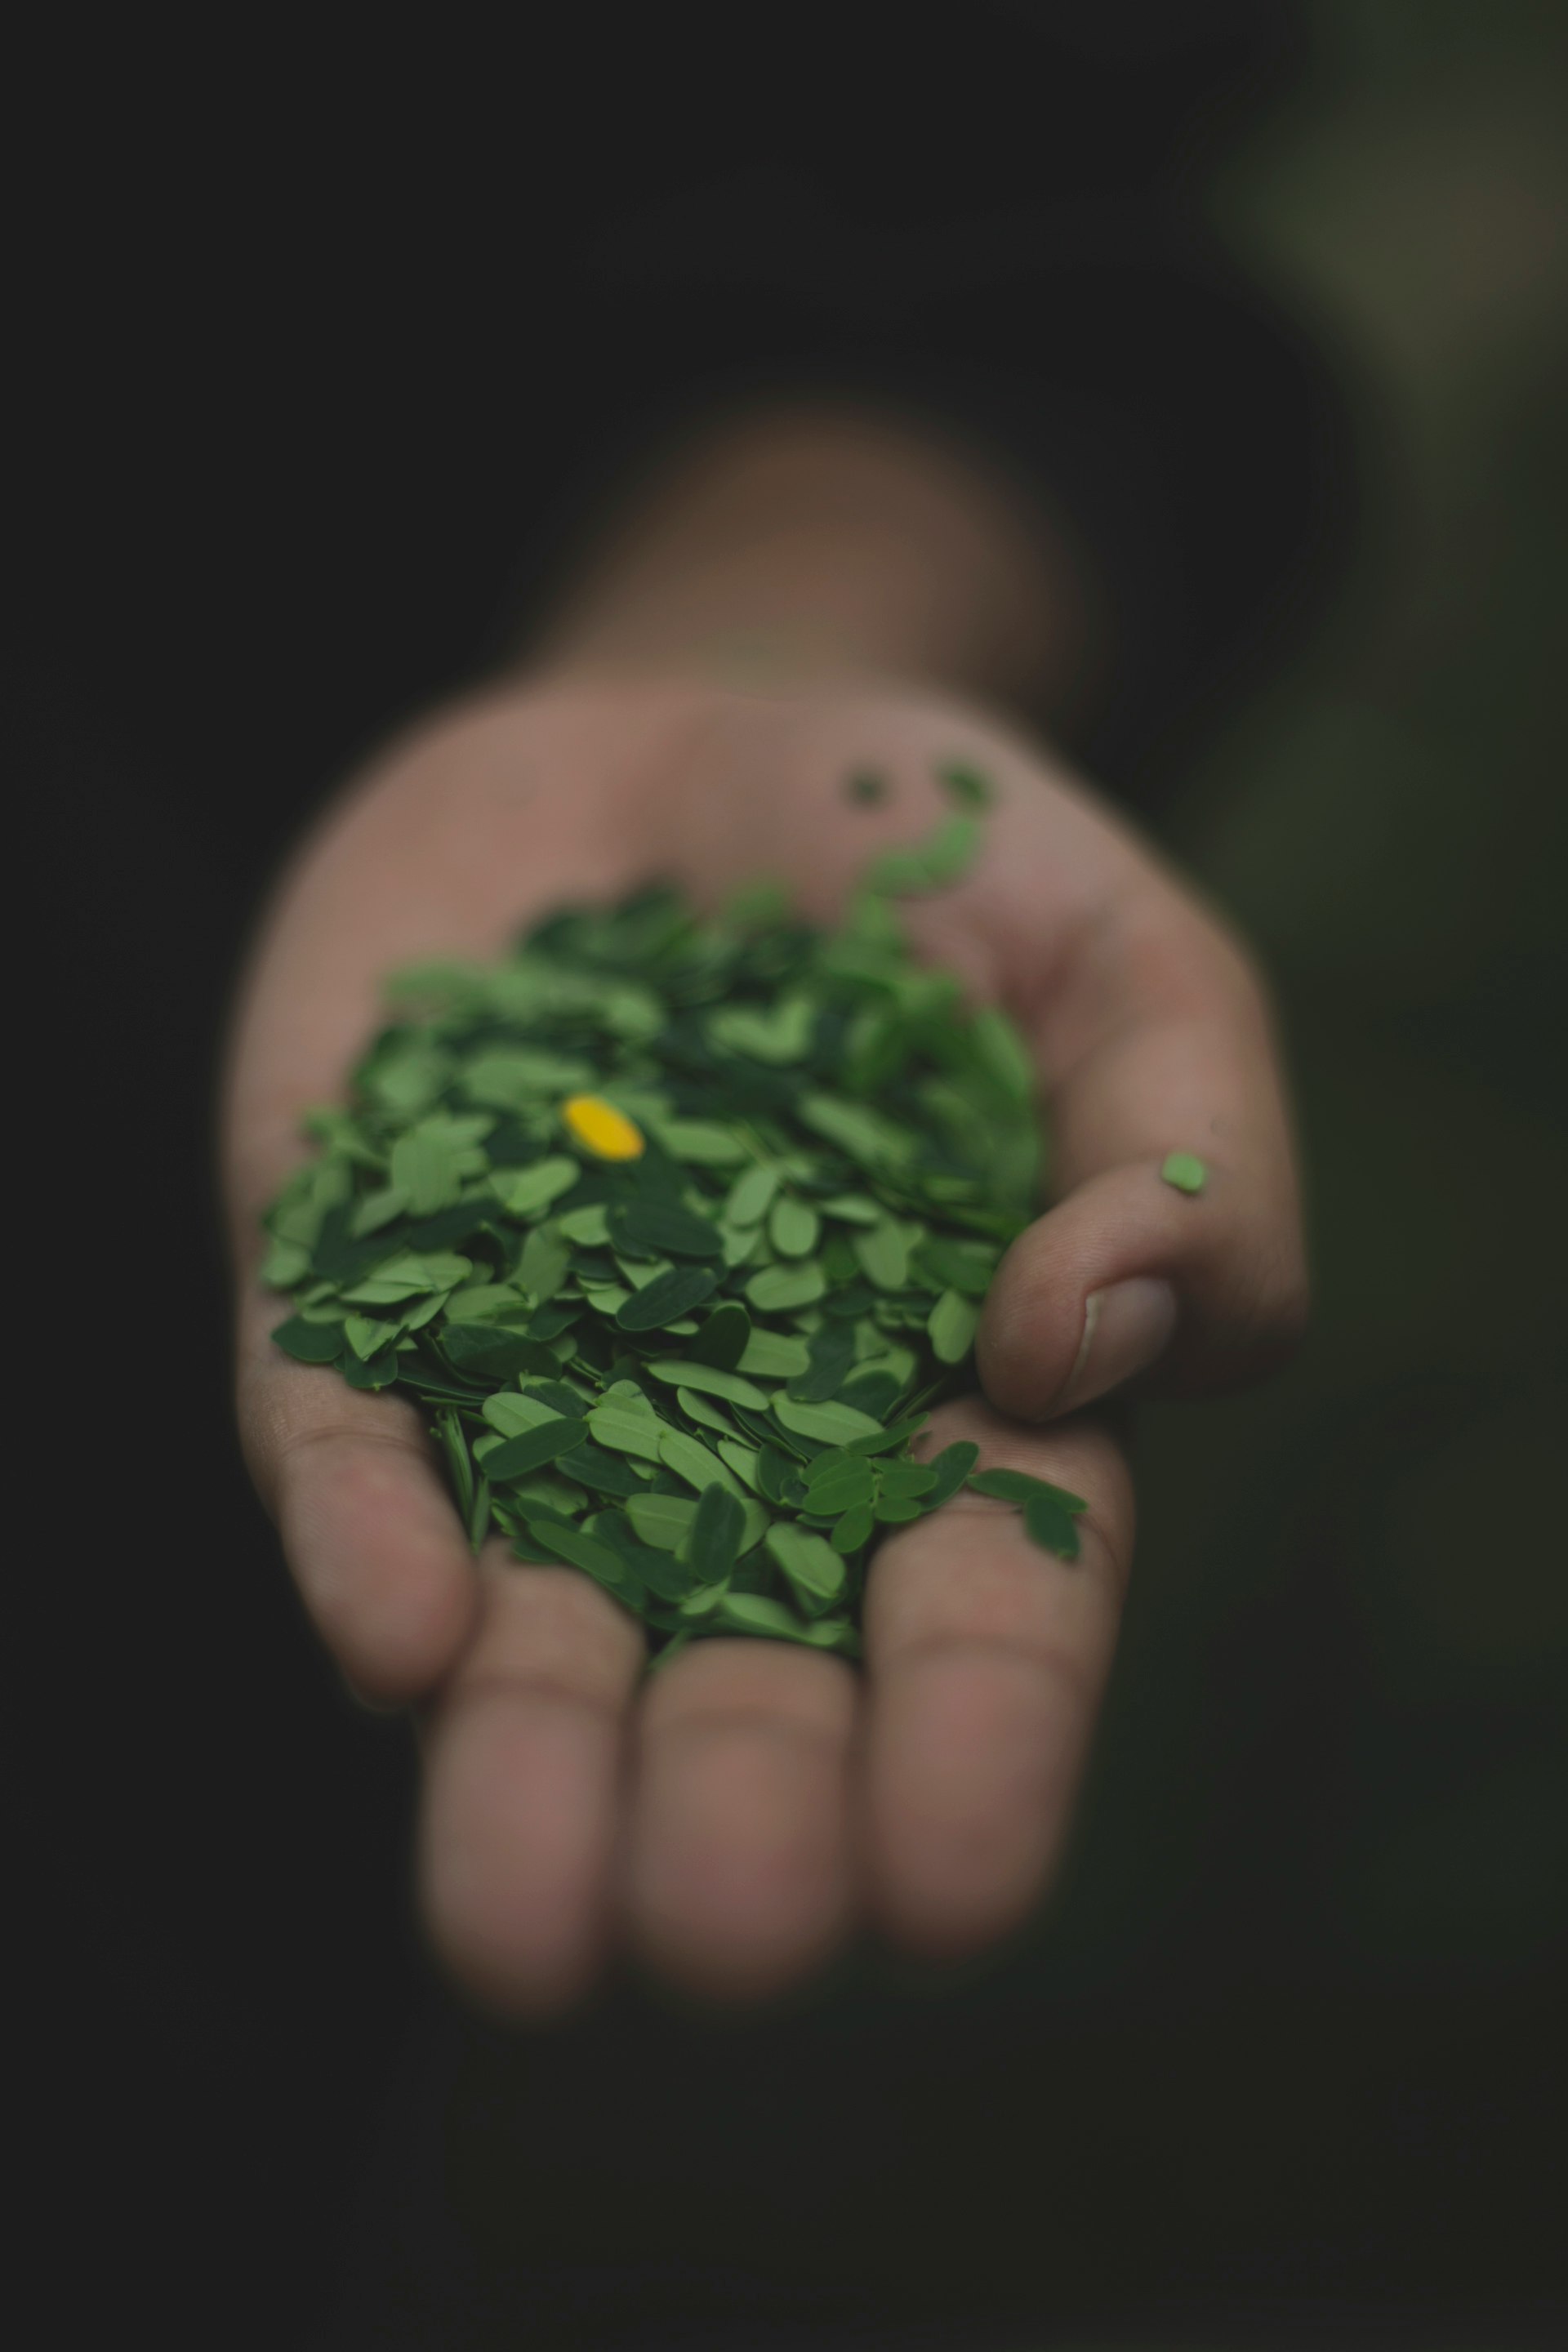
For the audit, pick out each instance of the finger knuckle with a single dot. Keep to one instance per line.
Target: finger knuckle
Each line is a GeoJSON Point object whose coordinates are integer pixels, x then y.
{"type": "Point", "coordinates": [309, 1441]}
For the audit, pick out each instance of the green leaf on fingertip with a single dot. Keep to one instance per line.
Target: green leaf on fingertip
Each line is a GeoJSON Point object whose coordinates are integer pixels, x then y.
{"type": "Point", "coordinates": [1021, 1487]}
{"type": "Point", "coordinates": [1047, 1522]}
{"type": "Point", "coordinates": [949, 1470]}
{"type": "Point", "coordinates": [1185, 1171]}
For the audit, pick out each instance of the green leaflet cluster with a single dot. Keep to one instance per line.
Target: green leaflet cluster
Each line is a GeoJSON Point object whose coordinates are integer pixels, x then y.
{"type": "Point", "coordinates": [694, 1373]}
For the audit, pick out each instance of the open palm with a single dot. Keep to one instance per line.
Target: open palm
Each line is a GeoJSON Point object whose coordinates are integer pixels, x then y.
{"type": "Point", "coordinates": [737, 1815]}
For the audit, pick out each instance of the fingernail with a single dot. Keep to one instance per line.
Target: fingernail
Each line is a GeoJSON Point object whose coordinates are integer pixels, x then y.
{"type": "Point", "coordinates": [1124, 1328]}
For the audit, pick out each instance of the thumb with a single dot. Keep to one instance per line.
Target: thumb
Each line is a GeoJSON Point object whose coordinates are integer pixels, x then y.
{"type": "Point", "coordinates": [1193, 1270]}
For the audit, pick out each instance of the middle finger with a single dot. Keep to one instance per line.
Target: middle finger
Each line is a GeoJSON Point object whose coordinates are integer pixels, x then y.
{"type": "Point", "coordinates": [738, 1866]}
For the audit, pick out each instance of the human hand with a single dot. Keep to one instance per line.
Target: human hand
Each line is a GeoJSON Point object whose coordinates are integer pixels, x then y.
{"type": "Point", "coordinates": [736, 1817]}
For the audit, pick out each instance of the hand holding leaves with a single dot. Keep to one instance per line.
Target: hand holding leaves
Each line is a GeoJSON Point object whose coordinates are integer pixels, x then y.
{"type": "Point", "coordinates": [760, 1797]}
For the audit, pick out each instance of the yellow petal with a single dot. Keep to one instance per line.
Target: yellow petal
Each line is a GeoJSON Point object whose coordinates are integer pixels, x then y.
{"type": "Point", "coordinates": [601, 1129]}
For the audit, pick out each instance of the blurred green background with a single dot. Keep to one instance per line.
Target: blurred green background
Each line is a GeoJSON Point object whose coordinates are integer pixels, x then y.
{"type": "Point", "coordinates": [1337, 1752]}
{"type": "Point", "coordinates": [1336, 1760]}
{"type": "Point", "coordinates": [1389, 825]}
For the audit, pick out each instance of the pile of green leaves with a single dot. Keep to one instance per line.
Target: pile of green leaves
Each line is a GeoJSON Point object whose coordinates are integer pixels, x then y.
{"type": "Point", "coordinates": [695, 1374]}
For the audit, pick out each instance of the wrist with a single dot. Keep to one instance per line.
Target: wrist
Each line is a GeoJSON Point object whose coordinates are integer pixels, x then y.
{"type": "Point", "coordinates": [822, 544]}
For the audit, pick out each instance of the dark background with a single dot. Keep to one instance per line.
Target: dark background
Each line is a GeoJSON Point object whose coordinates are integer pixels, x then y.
{"type": "Point", "coordinates": [331, 344]}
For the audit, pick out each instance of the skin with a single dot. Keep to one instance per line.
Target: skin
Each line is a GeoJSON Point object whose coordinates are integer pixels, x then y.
{"type": "Point", "coordinates": [689, 711]}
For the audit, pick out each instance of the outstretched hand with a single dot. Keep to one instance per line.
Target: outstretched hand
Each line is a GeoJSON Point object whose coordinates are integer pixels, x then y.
{"type": "Point", "coordinates": [738, 1815]}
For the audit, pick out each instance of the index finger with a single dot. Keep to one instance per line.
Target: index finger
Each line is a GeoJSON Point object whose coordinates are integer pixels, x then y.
{"type": "Point", "coordinates": [986, 1658]}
